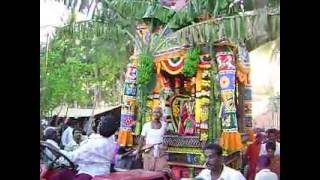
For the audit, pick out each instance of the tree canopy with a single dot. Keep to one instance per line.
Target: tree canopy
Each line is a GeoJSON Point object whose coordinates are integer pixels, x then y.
{"type": "Point", "coordinates": [85, 61]}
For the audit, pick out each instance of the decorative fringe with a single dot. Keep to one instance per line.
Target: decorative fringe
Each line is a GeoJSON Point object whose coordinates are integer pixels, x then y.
{"type": "Point", "coordinates": [159, 83]}
{"type": "Point", "coordinates": [162, 61]}
{"type": "Point", "coordinates": [231, 141]}
{"type": "Point", "coordinates": [243, 74]}
{"type": "Point", "coordinates": [125, 138]}
{"type": "Point", "coordinates": [170, 69]}
{"type": "Point", "coordinates": [198, 80]}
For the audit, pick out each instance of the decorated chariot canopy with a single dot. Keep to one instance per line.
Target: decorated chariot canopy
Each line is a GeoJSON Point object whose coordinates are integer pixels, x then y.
{"type": "Point", "coordinates": [200, 76]}
{"type": "Point", "coordinates": [184, 81]}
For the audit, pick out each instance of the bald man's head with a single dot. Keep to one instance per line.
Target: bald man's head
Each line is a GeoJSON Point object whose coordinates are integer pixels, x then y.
{"type": "Point", "coordinates": [157, 113]}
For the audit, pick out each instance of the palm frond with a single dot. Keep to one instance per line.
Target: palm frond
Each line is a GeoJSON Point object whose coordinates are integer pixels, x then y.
{"type": "Point", "coordinates": [92, 29]}
{"type": "Point", "coordinates": [83, 6]}
{"type": "Point", "coordinates": [235, 28]}
{"type": "Point", "coordinates": [139, 9]}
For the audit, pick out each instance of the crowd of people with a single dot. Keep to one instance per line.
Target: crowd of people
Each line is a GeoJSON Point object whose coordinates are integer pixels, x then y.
{"type": "Point", "coordinates": [92, 155]}
{"type": "Point", "coordinates": [263, 155]}
{"type": "Point", "coordinates": [98, 153]}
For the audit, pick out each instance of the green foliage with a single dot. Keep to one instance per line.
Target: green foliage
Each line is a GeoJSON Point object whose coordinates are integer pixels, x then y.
{"type": "Point", "coordinates": [273, 3]}
{"type": "Point", "coordinates": [146, 76]}
{"type": "Point", "coordinates": [94, 53]}
{"type": "Point", "coordinates": [81, 62]}
{"type": "Point", "coordinates": [62, 80]}
{"type": "Point", "coordinates": [253, 29]}
{"type": "Point", "coordinates": [215, 105]}
{"type": "Point", "coordinates": [145, 68]}
{"type": "Point", "coordinates": [144, 90]}
{"type": "Point", "coordinates": [153, 9]}
{"type": "Point", "coordinates": [124, 13]}
{"type": "Point", "coordinates": [109, 68]}
{"type": "Point", "coordinates": [191, 62]}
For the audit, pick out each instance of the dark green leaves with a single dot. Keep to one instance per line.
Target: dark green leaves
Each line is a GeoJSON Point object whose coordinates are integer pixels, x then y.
{"type": "Point", "coordinates": [191, 62]}
{"type": "Point", "coordinates": [145, 68]}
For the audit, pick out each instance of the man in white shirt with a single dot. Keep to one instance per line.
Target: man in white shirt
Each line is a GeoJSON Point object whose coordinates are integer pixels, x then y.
{"type": "Point", "coordinates": [264, 172]}
{"type": "Point", "coordinates": [67, 135]}
{"type": "Point", "coordinates": [215, 167]}
{"type": "Point", "coordinates": [94, 157]}
{"type": "Point", "coordinates": [272, 136]}
{"type": "Point", "coordinates": [77, 139]}
{"type": "Point", "coordinates": [93, 132]}
{"type": "Point", "coordinates": [152, 136]}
